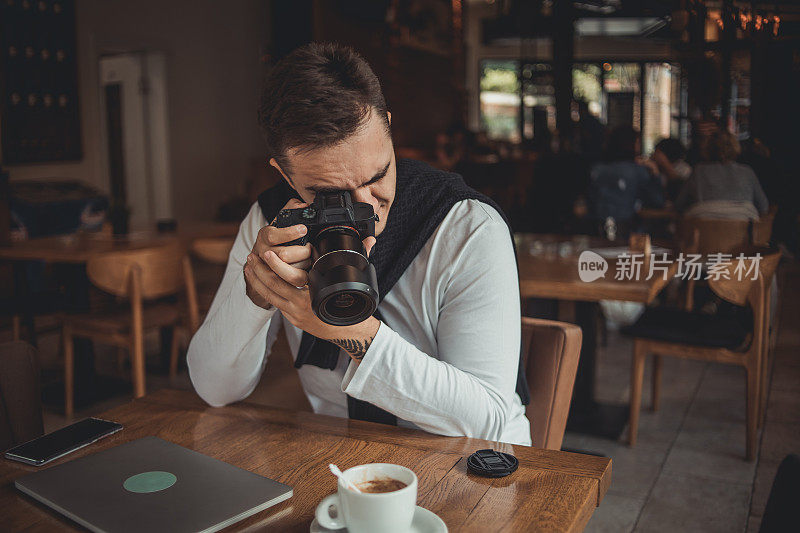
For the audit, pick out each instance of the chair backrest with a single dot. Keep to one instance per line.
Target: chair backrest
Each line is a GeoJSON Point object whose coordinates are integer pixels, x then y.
{"type": "Point", "coordinates": [737, 282]}
{"type": "Point", "coordinates": [550, 356]}
{"type": "Point", "coordinates": [20, 399]}
{"type": "Point", "coordinates": [740, 285]}
{"type": "Point", "coordinates": [762, 228]}
{"type": "Point", "coordinates": [213, 249]}
{"type": "Point", "coordinates": [160, 268]}
{"type": "Point", "coordinates": [722, 235]}
{"type": "Point", "coordinates": [640, 243]}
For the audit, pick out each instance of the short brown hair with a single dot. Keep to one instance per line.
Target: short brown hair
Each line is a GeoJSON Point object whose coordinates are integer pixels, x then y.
{"type": "Point", "coordinates": [720, 146]}
{"type": "Point", "coordinates": [316, 97]}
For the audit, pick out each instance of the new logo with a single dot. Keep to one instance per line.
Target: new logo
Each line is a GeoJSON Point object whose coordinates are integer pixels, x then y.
{"type": "Point", "coordinates": [591, 266]}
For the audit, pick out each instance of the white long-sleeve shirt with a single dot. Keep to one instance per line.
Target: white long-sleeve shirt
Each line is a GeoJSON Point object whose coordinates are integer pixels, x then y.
{"type": "Point", "coordinates": [447, 365]}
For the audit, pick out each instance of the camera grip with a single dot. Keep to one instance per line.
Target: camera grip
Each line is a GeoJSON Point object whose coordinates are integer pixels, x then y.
{"type": "Point", "coordinates": [286, 219]}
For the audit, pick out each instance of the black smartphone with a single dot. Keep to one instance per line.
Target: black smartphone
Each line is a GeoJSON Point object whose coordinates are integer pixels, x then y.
{"type": "Point", "coordinates": [59, 443]}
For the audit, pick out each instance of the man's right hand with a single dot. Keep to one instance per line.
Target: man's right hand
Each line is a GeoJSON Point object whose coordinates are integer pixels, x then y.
{"type": "Point", "coordinates": [260, 276]}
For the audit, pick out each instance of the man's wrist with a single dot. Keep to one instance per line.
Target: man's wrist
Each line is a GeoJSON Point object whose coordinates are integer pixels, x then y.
{"type": "Point", "coordinates": [355, 339]}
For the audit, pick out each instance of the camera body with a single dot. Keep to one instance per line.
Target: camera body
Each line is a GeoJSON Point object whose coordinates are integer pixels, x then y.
{"type": "Point", "coordinates": [342, 282]}
{"type": "Point", "coordinates": [329, 210]}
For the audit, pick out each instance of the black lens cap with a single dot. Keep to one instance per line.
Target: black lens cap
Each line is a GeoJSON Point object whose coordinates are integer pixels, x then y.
{"type": "Point", "coordinates": [489, 463]}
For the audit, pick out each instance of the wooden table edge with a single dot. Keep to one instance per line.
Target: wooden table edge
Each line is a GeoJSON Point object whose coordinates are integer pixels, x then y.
{"type": "Point", "coordinates": [189, 400]}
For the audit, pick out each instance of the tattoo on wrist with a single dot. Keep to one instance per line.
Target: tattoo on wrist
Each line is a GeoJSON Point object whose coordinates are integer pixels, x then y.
{"type": "Point", "coordinates": [355, 348]}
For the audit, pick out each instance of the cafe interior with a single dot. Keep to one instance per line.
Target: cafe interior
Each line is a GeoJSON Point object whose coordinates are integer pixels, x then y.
{"type": "Point", "coordinates": [643, 154]}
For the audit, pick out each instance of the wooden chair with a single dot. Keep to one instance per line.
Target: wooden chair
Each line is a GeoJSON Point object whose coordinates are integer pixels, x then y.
{"type": "Point", "coordinates": [722, 235]}
{"type": "Point", "coordinates": [211, 250]}
{"type": "Point", "coordinates": [640, 243]}
{"type": "Point", "coordinates": [706, 236]}
{"type": "Point", "coordinates": [215, 251]}
{"type": "Point", "coordinates": [20, 398]}
{"type": "Point", "coordinates": [550, 357]}
{"type": "Point", "coordinates": [657, 332]}
{"type": "Point", "coordinates": [137, 275]}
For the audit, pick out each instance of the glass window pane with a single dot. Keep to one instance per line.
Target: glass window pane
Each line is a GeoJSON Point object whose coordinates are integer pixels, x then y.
{"type": "Point", "coordinates": [499, 97]}
{"type": "Point", "coordinates": [740, 94]}
{"type": "Point", "coordinates": [657, 104]}
{"type": "Point", "coordinates": [623, 94]}
{"type": "Point", "coordinates": [539, 100]}
{"type": "Point", "coordinates": [587, 82]}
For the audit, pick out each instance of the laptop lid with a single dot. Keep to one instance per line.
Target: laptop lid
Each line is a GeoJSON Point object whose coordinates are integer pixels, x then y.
{"type": "Point", "coordinates": [152, 485]}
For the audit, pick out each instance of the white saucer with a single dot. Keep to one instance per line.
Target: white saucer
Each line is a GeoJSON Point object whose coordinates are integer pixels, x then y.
{"type": "Point", "coordinates": [424, 522]}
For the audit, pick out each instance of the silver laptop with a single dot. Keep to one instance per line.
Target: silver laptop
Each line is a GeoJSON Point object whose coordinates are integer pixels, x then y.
{"type": "Point", "coordinates": [152, 485]}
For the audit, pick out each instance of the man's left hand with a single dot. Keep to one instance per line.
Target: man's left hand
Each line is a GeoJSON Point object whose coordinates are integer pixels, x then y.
{"type": "Point", "coordinates": [290, 294]}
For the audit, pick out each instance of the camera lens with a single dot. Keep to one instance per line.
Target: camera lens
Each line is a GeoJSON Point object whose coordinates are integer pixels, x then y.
{"type": "Point", "coordinates": [342, 281]}
{"type": "Point", "coordinates": [344, 305]}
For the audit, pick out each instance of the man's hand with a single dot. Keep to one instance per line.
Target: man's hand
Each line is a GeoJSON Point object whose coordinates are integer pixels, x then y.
{"type": "Point", "coordinates": [276, 276]}
{"type": "Point", "coordinates": [258, 277]}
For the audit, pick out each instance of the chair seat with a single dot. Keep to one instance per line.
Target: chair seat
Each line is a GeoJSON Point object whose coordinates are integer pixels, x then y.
{"type": "Point", "coordinates": [728, 330]}
{"type": "Point", "coordinates": [118, 320]}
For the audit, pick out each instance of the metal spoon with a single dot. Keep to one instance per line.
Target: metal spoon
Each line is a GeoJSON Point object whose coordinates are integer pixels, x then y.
{"type": "Point", "coordinates": [338, 473]}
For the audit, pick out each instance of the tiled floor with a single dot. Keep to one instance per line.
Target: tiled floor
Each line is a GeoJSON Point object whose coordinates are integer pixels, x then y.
{"type": "Point", "coordinates": [687, 472]}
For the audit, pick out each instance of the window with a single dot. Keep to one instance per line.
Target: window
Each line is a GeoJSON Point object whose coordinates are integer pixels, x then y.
{"type": "Point", "coordinates": [657, 104]}
{"type": "Point", "coordinates": [503, 83]}
{"type": "Point", "coordinates": [540, 101]}
{"type": "Point", "coordinates": [651, 97]}
{"type": "Point", "coordinates": [499, 98]}
{"type": "Point", "coordinates": [623, 94]}
{"type": "Point", "coordinates": [587, 86]}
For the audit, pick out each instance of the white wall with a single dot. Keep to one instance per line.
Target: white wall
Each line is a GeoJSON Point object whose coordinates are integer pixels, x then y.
{"type": "Point", "coordinates": [212, 51]}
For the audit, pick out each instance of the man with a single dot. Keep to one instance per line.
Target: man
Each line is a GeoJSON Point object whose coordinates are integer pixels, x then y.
{"type": "Point", "coordinates": [442, 352]}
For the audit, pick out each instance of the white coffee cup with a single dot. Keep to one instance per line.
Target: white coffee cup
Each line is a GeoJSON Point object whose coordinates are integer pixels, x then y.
{"type": "Point", "coordinates": [388, 512]}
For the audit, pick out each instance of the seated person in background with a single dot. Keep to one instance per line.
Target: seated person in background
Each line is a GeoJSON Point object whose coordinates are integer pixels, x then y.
{"type": "Point", "coordinates": [719, 186]}
{"type": "Point", "coordinates": [451, 147]}
{"type": "Point", "coordinates": [669, 163]}
{"type": "Point", "coordinates": [618, 185]}
{"type": "Point", "coordinates": [442, 352]}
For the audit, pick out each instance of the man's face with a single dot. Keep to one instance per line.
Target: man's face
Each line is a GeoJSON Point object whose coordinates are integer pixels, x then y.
{"type": "Point", "coordinates": [363, 164]}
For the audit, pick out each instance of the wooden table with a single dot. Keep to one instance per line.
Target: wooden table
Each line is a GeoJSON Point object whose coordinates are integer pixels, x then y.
{"type": "Point", "coordinates": [556, 277]}
{"type": "Point", "coordinates": [80, 247]}
{"type": "Point", "coordinates": [549, 275]}
{"type": "Point", "coordinates": [551, 490]}
{"type": "Point", "coordinates": [72, 252]}
{"type": "Point", "coordinates": [658, 213]}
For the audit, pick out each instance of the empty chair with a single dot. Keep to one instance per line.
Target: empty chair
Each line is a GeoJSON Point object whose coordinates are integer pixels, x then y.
{"type": "Point", "coordinates": [550, 357]}
{"type": "Point", "coordinates": [723, 235]}
{"type": "Point", "coordinates": [706, 236]}
{"type": "Point", "coordinates": [210, 250]}
{"type": "Point", "coordinates": [140, 276]}
{"type": "Point", "coordinates": [215, 251]}
{"type": "Point", "coordinates": [736, 338]}
{"type": "Point", "coordinates": [20, 398]}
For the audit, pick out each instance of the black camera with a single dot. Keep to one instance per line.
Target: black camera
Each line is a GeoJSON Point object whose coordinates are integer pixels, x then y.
{"type": "Point", "coordinates": [342, 281]}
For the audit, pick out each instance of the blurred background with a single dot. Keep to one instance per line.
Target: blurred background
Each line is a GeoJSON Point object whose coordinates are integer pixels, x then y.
{"type": "Point", "coordinates": [127, 126]}
{"type": "Point", "coordinates": [152, 103]}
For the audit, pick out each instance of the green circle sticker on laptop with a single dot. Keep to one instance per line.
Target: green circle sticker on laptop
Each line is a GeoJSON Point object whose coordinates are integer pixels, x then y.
{"type": "Point", "coordinates": [149, 482]}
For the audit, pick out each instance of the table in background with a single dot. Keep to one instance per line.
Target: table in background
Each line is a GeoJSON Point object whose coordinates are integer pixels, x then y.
{"type": "Point", "coordinates": [551, 490]}
{"type": "Point", "coordinates": [72, 251]}
{"type": "Point", "coordinates": [658, 213]}
{"type": "Point", "coordinates": [553, 275]}
{"type": "Point", "coordinates": [80, 247]}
